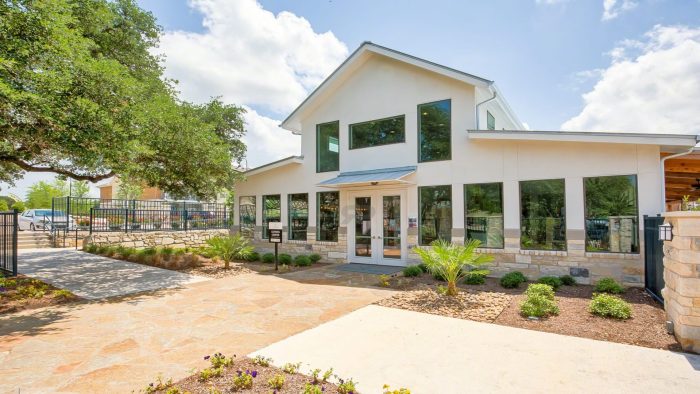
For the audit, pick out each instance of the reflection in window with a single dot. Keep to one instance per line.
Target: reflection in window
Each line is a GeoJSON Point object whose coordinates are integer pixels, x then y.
{"type": "Point", "coordinates": [612, 214]}
{"type": "Point", "coordinates": [272, 212]}
{"type": "Point", "coordinates": [490, 121]}
{"type": "Point", "coordinates": [542, 215]}
{"type": "Point", "coordinates": [327, 147]}
{"type": "Point", "coordinates": [298, 216]}
{"type": "Point", "coordinates": [246, 215]}
{"type": "Point", "coordinates": [391, 217]}
{"type": "Point", "coordinates": [377, 132]}
{"type": "Point", "coordinates": [484, 213]}
{"type": "Point", "coordinates": [434, 131]}
{"type": "Point", "coordinates": [328, 216]}
{"type": "Point", "coordinates": [363, 226]}
{"type": "Point", "coordinates": [435, 203]}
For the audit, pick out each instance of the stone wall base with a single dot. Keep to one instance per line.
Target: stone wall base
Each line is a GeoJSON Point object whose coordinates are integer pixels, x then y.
{"type": "Point", "coordinates": [173, 239]}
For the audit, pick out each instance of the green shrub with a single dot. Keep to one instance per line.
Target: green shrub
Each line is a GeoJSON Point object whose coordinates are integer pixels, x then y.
{"type": "Point", "coordinates": [102, 249]}
{"type": "Point", "coordinates": [609, 285]}
{"type": "Point", "coordinates": [167, 251]}
{"type": "Point", "coordinates": [476, 277]}
{"type": "Point", "coordinates": [291, 368]}
{"type": "Point", "coordinates": [229, 248]}
{"type": "Point", "coordinates": [90, 248]}
{"type": "Point", "coordinates": [276, 382]}
{"type": "Point", "coordinates": [302, 261]}
{"type": "Point", "coordinates": [412, 270]}
{"type": "Point", "coordinates": [607, 305]}
{"type": "Point", "coordinates": [423, 267]}
{"type": "Point", "coordinates": [553, 281]}
{"type": "Point", "coordinates": [513, 279]}
{"type": "Point", "coordinates": [253, 256]}
{"type": "Point", "coordinates": [315, 258]}
{"type": "Point", "coordinates": [243, 381]}
{"type": "Point", "coordinates": [268, 258]}
{"type": "Point", "coordinates": [539, 301]}
{"type": "Point", "coordinates": [149, 251]}
{"type": "Point", "coordinates": [284, 258]}
{"type": "Point", "coordinates": [568, 280]}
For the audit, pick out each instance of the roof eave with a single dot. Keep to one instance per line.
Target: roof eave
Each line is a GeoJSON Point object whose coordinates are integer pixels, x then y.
{"type": "Point", "coordinates": [669, 140]}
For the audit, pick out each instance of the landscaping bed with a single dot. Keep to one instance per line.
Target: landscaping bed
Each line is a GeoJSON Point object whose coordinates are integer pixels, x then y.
{"type": "Point", "coordinates": [492, 303]}
{"type": "Point", "coordinates": [21, 292]}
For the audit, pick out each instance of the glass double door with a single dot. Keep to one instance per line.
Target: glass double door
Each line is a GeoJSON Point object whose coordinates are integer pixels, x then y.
{"type": "Point", "coordinates": [378, 233]}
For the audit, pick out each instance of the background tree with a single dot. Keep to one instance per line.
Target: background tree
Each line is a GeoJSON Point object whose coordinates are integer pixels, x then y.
{"type": "Point", "coordinates": [129, 190]}
{"type": "Point", "coordinates": [100, 105]}
{"type": "Point", "coordinates": [19, 206]}
{"type": "Point", "coordinates": [3, 206]}
{"type": "Point", "coordinates": [42, 193]}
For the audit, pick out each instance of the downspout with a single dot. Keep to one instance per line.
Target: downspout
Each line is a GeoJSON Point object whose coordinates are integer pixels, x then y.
{"type": "Point", "coordinates": [483, 102]}
{"type": "Point", "coordinates": [663, 175]}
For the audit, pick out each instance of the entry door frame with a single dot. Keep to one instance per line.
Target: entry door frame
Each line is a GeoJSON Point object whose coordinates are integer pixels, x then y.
{"type": "Point", "coordinates": [377, 210]}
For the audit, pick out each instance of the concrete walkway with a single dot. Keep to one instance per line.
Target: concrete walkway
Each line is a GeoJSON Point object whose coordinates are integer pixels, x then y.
{"type": "Point", "coordinates": [95, 277]}
{"type": "Point", "coordinates": [122, 344]}
{"type": "Point", "coordinates": [433, 354]}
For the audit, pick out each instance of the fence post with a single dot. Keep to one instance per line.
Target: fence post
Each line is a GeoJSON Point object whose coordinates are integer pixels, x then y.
{"type": "Point", "coordinates": [15, 225]}
{"type": "Point", "coordinates": [91, 208]}
{"type": "Point", "coordinates": [186, 218]}
{"type": "Point", "coordinates": [126, 219]}
{"type": "Point", "coordinates": [67, 212]}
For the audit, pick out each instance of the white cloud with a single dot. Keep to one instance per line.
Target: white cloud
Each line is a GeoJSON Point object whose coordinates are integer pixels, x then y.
{"type": "Point", "coordinates": [650, 86]}
{"type": "Point", "coordinates": [252, 57]}
{"type": "Point", "coordinates": [613, 8]}
{"type": "Point", "coordinates": [551, 2]}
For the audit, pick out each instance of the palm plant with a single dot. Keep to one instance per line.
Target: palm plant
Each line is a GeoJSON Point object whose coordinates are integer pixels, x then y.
{"type": "Point", "coordinates": [452, 261]}
{"type": "Point", "coordinates": [229, 248]}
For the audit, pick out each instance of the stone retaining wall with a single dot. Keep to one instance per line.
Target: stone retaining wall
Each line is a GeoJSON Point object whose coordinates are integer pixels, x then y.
{"type": "Point", "coordinates": [682, 278]}
{"type": "Point", "coordinates": [173, 239]}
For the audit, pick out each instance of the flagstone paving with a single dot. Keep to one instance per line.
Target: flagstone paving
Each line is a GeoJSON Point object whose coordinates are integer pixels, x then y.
{"type": "Point", "coordinates": [121, 344]}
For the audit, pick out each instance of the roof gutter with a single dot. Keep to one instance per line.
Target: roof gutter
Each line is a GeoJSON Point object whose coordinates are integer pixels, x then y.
{"type": "Point", "coordinates": [495, 94]}
{"type": "Point", "coordinates": [663, 174]}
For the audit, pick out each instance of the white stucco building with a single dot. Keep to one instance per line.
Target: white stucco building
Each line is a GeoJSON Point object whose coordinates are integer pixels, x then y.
{"type": "Point", "coordinates": [398, 151]}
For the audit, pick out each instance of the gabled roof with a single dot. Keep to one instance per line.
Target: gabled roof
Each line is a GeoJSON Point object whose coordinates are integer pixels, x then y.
{"type": "Point", "coordinates": [275, 164]}
{"type": "Point", "coordinates": [293, 124]}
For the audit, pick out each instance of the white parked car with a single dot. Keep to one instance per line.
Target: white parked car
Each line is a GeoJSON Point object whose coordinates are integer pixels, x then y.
{"type": "Point", "coordinates": [42, 219]}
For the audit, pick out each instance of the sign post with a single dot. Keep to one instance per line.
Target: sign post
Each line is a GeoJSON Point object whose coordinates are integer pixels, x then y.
{"type": "Point", "coordinates": [275, 236]}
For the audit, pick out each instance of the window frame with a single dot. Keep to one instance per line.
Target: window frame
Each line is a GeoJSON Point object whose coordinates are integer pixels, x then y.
{"type": "Point", "coordinates": [490, 116]}
{"type": "Point", "coordinates": [265, 227]}
{"type": "Point", "coordinates": [318, 152]}
{"type": "Point", "coordinates": [318, 217]}
{"type": "Point", "coordinates": [255, 203]}
{"type": "Point", "coordinates": [420, 132]}
{"type": "Point", "coordinates": [420, 218]}
{"type": "Point", "coordinates": [503, 224]}
{"type": "Point", "coordinates": [289, 216]}
{"type": "Point", "coordinates": [520, 216]}
{"type": "Point", "coordinates": [585, 215]}
{"type": "Point", "coordinates": [350, 133]}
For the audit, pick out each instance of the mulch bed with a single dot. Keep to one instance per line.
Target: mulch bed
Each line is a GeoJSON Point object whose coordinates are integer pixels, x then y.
{"type": "Point", "coordinates": [293, 383]}
{"type": "Point", "coordinates": [492, 303]}
{"type": "Point", "coordinates": [22, 292]}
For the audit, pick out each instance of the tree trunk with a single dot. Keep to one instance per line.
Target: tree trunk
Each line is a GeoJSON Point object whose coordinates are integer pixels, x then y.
{"type": "Point", "coordinates": [226, 264]}
{"type": "Point", "coordinates": [451, 288]}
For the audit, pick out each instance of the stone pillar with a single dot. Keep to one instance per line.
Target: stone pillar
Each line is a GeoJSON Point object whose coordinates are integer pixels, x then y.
{"type": "Point", "coordinates": [682, 278]}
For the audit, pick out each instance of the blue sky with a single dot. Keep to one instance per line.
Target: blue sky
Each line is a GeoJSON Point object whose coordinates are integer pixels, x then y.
{"type": "Point", "coordinates": [598, 65]}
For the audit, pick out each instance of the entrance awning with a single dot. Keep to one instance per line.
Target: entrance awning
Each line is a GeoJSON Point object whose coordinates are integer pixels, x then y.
{"type": "Point", "coordinates": [370, 177]}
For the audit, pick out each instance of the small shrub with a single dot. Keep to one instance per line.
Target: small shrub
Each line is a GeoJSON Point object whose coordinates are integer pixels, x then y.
{"type": "Point", "coordinates": [291, 368]}
{"type": "Point", "coordinates": [384, 280]}
{"type": "Point", "coordinates": [423, 267]}
{"type": "Point", "coordinates": [539, 301]}
{"type": "Point", "coordinates": [607, 305]}
{"type": "Point", "coordinates": [284, 258]}
{"type": "Point", "coordinates": [149, 251]}
{"type": "Point", "coordinates": [243, 381]}
{"type": "Point", "coordinates": [327, 375]}
{"type": "Point", "coordinates": [609, 285]}
{"type": "Point", "coordinates": [253, 256]}
{"type": "Point", "coordinates": [262, 361]}
{"type": "Point", "coordinates": [101, 249]}
{"type": "Point", "coordinates": [442, 290]}
{"type": "Point", "coordinates": [553, 281]}
{"type": "Point", "coordinates": [312, 389]}
{"type": "Point", "coordinates": [315, 257]}
{"type": "Point", "coordinates": [476, 277]}
{"type": "Point", "coordinates": [568, 280]}
{"type": "Point", "coordinates": [412, 270]}
{"type": "Point", "coordinates": [90, 248]}
{"type": "Point", "coordinates": [387, 390]}
{"type": "Point", "coordinates": [276, 382]}
{"type": "Point", "coordinates": [513, 279]}
{"type": "Point", "coordinates": [219, 360]}
{"type": "Point", "coordinates": [268, 258]}
{"type": "Point", "coordinates": [208, 373]}
{"type": "Point", "coordinates": [346, 386]}
{"type": "Point", "coordinates": [302, 261]}
{"type": "Point", "coordinates": [63, 294]}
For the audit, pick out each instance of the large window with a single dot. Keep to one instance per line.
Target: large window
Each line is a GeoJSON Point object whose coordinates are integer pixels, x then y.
{"type": "Point", "coordinates": [298, 216]}
{"type": "Point", "coordinates": [272, 212]}
{"type": "Point", "coordinates": [327, 147]}
{"type": "Point", "coordinates": [434, 131]}
{"type": "Point", "coordinates": [246, 215]}
{"type": "Point", "coordinates": [328, 216]}
{"type": "Point", "coordinates": [483, 209]}
{"type": "Point", "coordinates": [435, 203]}
{"type": "Point", "coordinates": [490, 121]}
{"type": "Point", "coordinates": [378, 132]}
{"type": "Point", "coordinates": [542, 215]}
{"type": "Point", "coordinates": [612, 214]}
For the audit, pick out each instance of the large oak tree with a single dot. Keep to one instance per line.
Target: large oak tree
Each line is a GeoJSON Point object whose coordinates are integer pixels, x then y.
{"type": "Point", "coordinates": [82, 95]}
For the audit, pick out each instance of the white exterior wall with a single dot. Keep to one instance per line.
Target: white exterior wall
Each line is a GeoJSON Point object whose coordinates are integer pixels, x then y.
{"type": "Point", "coordinates": [382, 88]}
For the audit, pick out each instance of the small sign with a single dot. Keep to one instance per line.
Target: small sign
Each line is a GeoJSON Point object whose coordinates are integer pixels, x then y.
{"type": "Point", "coordinates": [274, 225]}
{"type": "Point", "coordinates": [275, 236]}
{"type": "Point", "coordinates": [412, 222]}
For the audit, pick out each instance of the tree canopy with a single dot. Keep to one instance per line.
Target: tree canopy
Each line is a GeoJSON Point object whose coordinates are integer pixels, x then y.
{"type": "Point", "coordinates": [42, 193]}
{"type": "Point", "coordinates": [82, 95]}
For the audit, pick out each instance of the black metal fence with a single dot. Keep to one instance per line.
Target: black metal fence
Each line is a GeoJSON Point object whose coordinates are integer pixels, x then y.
{"type": "Point", "coordinates": [117, 215]}
{"type": "Point", "coordinates": [8, 243]}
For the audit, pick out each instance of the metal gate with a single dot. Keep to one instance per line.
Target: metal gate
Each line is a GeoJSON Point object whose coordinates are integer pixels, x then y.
{"type": "Point", "coordinates": [8, 243]}
{"type": "Point", "coordinates": [653, 257]}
